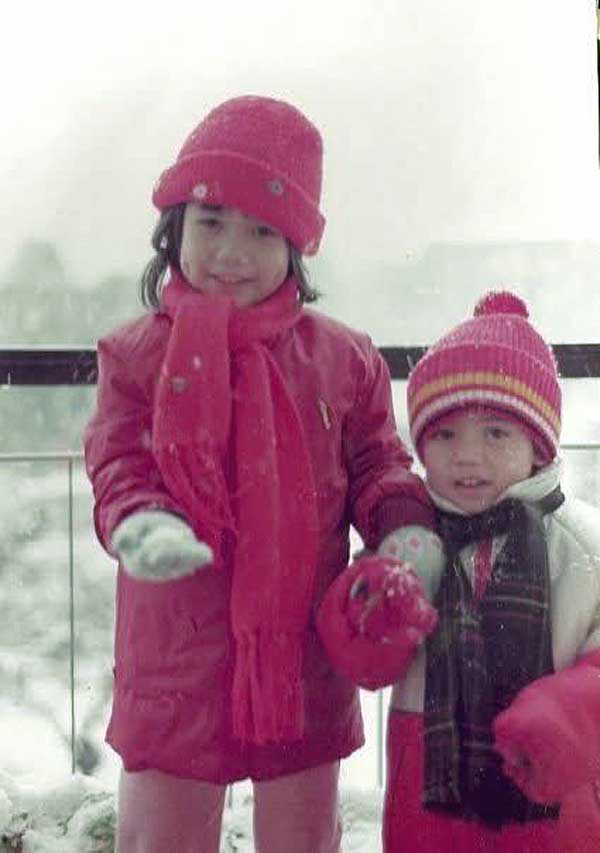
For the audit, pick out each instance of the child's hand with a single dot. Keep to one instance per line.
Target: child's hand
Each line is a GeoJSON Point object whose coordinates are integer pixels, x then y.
{"type": "Point", "coordinates": [422, 549]}
{"type": "Point", "coordinates": [158, 546]}
{"type": "Point", "coordinates": [372, 620]}
{"type": "Point", "coordinates": [387, 602]}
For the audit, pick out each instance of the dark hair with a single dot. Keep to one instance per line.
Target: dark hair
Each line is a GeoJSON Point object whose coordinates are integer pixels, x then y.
{"type": "Point", "coordinates": [166, 242]}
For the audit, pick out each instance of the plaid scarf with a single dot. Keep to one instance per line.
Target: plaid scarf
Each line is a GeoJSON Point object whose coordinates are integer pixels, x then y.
{"type": "Point", "coordinates": [481, 655]}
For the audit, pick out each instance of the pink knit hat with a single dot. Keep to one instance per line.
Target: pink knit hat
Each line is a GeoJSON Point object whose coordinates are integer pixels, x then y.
{"type": "Point", "coordinates": [259, 155]}
{"type": "Point", "coordinates": [496, 360]}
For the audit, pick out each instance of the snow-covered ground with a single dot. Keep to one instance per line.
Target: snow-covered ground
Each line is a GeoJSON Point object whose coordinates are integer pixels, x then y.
{"type": "Point", "coordinates": [78, 816]}
{"type": "Point", "coordinates": [47, 810]}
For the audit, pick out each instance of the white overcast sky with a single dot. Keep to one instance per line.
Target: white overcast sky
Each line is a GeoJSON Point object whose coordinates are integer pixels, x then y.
{"type": "Point", "coordinates": [442, 119]}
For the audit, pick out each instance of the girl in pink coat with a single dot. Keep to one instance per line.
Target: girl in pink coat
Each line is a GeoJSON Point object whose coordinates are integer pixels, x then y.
{"type": "Point", "coordinates": [494, 724]}
{"type": "Point", "coordinates": [237, 436]}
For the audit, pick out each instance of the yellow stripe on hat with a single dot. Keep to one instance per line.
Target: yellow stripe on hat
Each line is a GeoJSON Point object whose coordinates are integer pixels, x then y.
{"type": "Point", "coordinates": [477, 396]}
{"type": "Point", "coordinates": [451, 382]}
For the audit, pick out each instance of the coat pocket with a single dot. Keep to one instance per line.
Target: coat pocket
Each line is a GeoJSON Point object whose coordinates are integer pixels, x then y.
{"type": "Point", "coordinates": [174, 633]}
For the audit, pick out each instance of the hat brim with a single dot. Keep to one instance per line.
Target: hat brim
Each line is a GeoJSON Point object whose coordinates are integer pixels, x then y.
{"type": "Point", "coordinates": [223, 178]}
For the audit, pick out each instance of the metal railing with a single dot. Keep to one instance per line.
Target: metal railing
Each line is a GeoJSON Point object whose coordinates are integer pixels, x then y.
{"type": "Point", "coordinates": [76, 367]}
{"type": "Point", "coordinates": [69, 458]}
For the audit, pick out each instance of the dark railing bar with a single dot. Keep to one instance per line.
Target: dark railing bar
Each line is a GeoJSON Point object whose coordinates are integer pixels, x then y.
{"type": "Point", "coordinates": [575, 361]}
{"type": "Point", "coordinates": [77, 366]}
{"type": "Point", "coordinates": [45, 366]}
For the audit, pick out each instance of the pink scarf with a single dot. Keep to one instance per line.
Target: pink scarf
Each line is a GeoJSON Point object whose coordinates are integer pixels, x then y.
{"type": "Point", "coordinates": [221, 396]}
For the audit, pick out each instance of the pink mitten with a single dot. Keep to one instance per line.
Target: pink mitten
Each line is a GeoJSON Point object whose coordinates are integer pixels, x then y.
{"type": "Point", "coordinates": [549, 737]}
{"type": "Point", "coordinates": [372, 620]}
{"type": "Point", "coordinates": [387, 602]}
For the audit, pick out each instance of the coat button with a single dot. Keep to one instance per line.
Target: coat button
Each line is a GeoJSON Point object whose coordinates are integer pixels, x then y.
{"type": "Point", "coordinates": [275, 187]}
{"type": "Point", "coordinates": [179, 384]}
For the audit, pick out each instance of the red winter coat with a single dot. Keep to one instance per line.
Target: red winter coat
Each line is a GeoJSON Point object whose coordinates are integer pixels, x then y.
{"type": "Point", "coordinates": [173, 646]}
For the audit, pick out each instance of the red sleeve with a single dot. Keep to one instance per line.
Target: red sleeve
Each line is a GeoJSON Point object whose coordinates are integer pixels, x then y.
{"type": "Point", "coordinates": [117, 443]}
{"type": "Point", "coordinates": [383, 493]}
{"type": "Point", "coordinates": [555, 723]}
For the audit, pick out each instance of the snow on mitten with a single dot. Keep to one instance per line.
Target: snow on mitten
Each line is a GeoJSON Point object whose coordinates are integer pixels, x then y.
{"type": "Point", "coordinates": [549, 737]}
{"type": "Point", "coordinates": [158, 546]}
{"type": "Point", "coordinates": [420, 547]}
{"type": "Point", "coordinates": [387, 601]}
{"type": "Point", "coordinates": [372, 619]}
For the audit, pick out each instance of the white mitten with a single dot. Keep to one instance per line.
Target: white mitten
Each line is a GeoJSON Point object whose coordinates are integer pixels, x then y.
{"type": "Point", "coordinates": [420, 547]}
{"type": "Point", "coordinates": [158, 546]}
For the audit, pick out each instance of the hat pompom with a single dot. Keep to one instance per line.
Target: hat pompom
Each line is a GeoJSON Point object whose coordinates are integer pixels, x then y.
{"type": "Point", "coordinates": [500, 302]}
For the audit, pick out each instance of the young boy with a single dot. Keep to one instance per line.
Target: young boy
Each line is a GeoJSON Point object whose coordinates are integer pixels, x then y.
{"type": "Point", "coordinates": [494, 724]}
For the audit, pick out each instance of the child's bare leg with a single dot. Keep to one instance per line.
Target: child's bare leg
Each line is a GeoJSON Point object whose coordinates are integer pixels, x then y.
{"type": "Point", "coordinates": [298, 813]}
{"type": "Point", "coordinates": [158, 812]}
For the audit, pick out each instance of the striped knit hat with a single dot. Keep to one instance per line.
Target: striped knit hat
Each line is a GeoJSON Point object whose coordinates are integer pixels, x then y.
{"type": "Point", "coordinates": [496, 360]}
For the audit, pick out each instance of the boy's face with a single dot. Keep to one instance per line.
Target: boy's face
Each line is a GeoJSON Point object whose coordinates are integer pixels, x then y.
{"type": "Point", "coordinates": [472, 456]}
{"type": "Point", "coordinates": [224, 251]}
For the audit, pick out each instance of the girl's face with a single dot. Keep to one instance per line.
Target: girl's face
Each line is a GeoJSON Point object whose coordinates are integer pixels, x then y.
{"type": "Point", "coordinates": [224, 251]}
{"type": "Point", "coordinates": [472, 457]}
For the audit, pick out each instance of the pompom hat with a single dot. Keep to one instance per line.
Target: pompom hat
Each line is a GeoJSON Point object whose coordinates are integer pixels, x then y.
{"type": "Point", "coordinates": [495, 360]}
{"type": "Point", "coordinates": [259, 155]}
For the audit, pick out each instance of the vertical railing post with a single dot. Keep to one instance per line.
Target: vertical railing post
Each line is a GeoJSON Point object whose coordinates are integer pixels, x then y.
{"type": "Point", "coordinates": [71, 614]}
{"type": "Point", "coordinates": [380, 739]}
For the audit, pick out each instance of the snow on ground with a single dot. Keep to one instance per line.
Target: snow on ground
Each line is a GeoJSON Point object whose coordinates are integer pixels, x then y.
{"type": "Point", "coordinates": [43, 809]}
{"type": "Point", "coordinates": [78, 816]}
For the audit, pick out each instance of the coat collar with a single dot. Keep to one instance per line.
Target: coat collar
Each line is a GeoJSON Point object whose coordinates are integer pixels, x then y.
{"type": "Point", "coordinates": [531, 490]}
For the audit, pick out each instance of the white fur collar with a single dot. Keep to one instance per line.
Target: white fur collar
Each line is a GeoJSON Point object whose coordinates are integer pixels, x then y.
{"type": "Point", "coordinates": [532, 489]}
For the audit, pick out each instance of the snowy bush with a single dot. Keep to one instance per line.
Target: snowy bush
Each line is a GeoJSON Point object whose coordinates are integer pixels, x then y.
{"type": "Point", "coordinates": [75, 817]}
